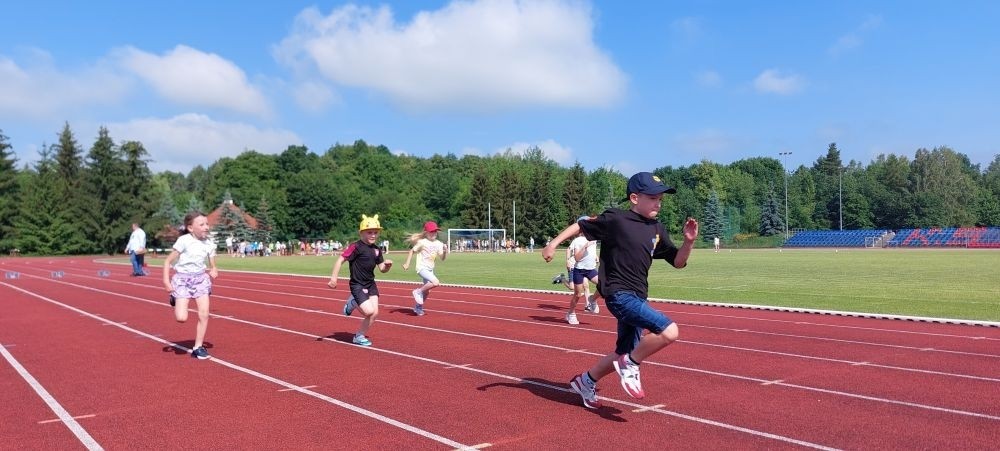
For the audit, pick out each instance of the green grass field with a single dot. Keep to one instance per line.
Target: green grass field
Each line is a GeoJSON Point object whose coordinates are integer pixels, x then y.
{"type": "Point", "coordinates": [942, 283]}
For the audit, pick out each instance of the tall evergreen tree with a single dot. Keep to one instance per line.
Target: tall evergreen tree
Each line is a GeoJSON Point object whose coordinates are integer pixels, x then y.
{"type": "Point", "coordinates": [108, 222]}
{"type": "Point", "coordinates": [265, 227]}
{"type": "Point", "coordinates": [74, 203]}
{"type": "Point", "coordinates": [138, 182]}
{"type": "Point", "coordinates": [42, 231]}
{"type": "Point", "coordinates": [474, 215]}
{"type": "Point", "coordinates": [576, 191]}
{"type": "Point", "coordinates": [771, 222]}
{"type": "Point", "coordinates": [713, 221]}
{"type": "Point", "coordinates": [9, 194]}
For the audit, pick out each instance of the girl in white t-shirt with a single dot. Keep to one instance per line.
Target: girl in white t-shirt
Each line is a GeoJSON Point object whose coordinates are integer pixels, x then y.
{"type": "Point", "coordinates": [583, 254]}
{"type": "Point", "coordinates": [191, 281]}
{"type": "Point", "coordinates": [428, 248]}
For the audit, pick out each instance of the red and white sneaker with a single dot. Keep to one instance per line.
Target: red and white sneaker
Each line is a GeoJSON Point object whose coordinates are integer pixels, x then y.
{"type": "Point", "coordinates": [629, 374]}
{"type": "Point", "coordinates": [589, 395]}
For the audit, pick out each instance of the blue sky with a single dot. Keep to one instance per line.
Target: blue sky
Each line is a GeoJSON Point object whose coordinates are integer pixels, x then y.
{"type": "Point", "coordinates": [627, 85]}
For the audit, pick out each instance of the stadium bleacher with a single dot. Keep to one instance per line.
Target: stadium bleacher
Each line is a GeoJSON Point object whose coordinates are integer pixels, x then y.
{"type": "Point", "coordinates": [972, 237]}
{"type": "Point", "coordinates": [833, 238]}
{"type": "Point", "coordinates": [975, 237]}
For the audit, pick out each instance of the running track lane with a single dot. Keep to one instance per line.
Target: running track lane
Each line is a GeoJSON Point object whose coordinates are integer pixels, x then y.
{"type": "Point", "coordinates": [646, 376]}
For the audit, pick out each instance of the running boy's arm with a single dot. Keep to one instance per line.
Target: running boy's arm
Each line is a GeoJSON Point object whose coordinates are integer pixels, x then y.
{"type": "Point", "coordinates": [550, 249]}
{"type": "Point", "coordinates": [336, 270]}
{"type": "Point", "coordinates": [385, 266]}
{"type": "Point", "coordinates": [690, 234]}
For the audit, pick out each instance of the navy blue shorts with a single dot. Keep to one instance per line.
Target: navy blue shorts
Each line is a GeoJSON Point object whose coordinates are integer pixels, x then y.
{"type": "Point", "coordinates": [579, 275]}
{"type": "Point", "coordinates": [634, 315]}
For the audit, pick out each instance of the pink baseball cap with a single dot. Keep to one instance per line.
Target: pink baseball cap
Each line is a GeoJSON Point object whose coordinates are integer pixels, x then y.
{"type": "Point", "coordinates": [430, 226]}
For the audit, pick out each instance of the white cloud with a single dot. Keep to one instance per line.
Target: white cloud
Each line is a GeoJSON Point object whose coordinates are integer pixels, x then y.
{"type": "Point", "coordinates": [687, 28]}
{"type": "Point", "coordinates": [855, 38]}
{"type": "Point", "coordinates": [313, 96]}
{"type": "Point", "coordinates": [557, 152]}
{"type": "Point", "coordinates": [479, 55]}
{"type": "Point", "coordinates": [708, 143]}
{"type": "Point", "coordinates": [708, 79]}
{"type": "Point", "coordinates": [181, 142]}
{"type": "Point", "coordinates": [39, 90]}
{"type": "Point", "coordinates": [773, 81]}
{"type": "Point", "coordinates": [191, 77]}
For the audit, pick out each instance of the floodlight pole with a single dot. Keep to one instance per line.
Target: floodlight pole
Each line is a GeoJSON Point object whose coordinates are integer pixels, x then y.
{"type": "Point", "coordinates": [840, 198]}
{"type": "Point", "coordinates": [785, 171]}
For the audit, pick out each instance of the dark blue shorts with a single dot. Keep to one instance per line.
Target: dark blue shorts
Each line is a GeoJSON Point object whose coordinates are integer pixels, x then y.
{"type": "Point", "coordinates": [579, 275]}
{"type": "Point", "coordinates": [634, 315]}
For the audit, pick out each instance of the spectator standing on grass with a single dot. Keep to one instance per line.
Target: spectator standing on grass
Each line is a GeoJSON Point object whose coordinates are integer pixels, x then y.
{"type": "Point", "coordinates": [136, 249]}
{"type": "Point", "coordinates": [630, 240]}
{"type": "Point", "coordinates": [716, 243]}
{"type": "Point", "coordinates": [428, 248]}
{"type": "Point", "coordinates": [363, 256]}
{"type": "Point", "coordinates": [583, 253]}
{"type": "Point", "coordinates": [191, 281]}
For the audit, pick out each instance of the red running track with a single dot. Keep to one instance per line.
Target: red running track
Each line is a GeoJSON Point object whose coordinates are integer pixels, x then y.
{"type": "Point", "coordinates": [97, 362]}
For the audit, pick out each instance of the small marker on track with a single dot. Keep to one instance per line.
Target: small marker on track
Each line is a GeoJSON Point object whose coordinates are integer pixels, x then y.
{"type": "Point", "coordinates": [58, 274]}
{"type": "Point", "coordinates": [103, 273]}
{"type": "Point", "coordinates": [12, 275]}
{"type": "Point", "coordinates": [649, 408]}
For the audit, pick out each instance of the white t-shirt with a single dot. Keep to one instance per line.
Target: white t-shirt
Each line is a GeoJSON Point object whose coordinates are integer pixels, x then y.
{"type": "Point", "coordinates": [193, 253]}
{"type": "Point", "coordinates": [427, 251]}
{"type": "Point", "coordinates": [589, 260]}
{"type": "Point", "coordinates": [136, 241]}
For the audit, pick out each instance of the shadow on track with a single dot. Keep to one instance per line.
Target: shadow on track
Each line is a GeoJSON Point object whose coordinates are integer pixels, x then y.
{"type": "Point", "coordinates": [543, 389]}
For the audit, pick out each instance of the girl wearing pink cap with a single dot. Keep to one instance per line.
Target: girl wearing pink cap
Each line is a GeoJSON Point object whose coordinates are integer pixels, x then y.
{"type": "Point", "coordinates": [427, 247]}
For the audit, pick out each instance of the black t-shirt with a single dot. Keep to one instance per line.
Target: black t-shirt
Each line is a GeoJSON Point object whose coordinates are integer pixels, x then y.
{"type": "Point", "coordinates": [363, 258]}
{"type": "Point", "coordinates": [629, 243]}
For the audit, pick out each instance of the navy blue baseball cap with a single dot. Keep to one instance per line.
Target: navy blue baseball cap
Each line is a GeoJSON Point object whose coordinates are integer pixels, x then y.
{"type": "Point", "coordinates": [647, 183]}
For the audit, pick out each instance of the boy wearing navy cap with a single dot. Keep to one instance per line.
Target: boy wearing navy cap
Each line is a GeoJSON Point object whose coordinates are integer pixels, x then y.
{"type": "Point", "coordinates": [630, 240]}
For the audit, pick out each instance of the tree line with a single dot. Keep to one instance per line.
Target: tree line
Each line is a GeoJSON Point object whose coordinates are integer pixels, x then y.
{"type": "Point", "coordinates": [77, 201]}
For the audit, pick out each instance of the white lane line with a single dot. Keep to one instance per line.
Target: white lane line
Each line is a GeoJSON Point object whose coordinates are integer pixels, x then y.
{"type": "Point", "coordinates": [81, 434]}
{"type": "Point", "coordinates": [288, 385]}
{"type": "Point", "coordinates": [304, 386]}
{"type": "Point", "coordinates": [436, 362]}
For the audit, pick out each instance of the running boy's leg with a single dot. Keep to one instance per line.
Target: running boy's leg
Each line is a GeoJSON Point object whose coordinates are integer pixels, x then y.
{"type": "Point", "coordinates": [369, 308]}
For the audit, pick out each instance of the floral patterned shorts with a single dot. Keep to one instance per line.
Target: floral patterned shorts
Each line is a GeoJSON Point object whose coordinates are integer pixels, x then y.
{"type": "Point", "coordinates": [191, 286]}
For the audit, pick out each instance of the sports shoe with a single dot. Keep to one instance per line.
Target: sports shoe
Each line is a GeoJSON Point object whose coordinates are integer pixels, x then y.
{"type": "Point", "coordinates": [629, 374]}
{"type": "Point", "coordinates": [418, 309]}
{"type": "Point", "coordinates": [592, 306]}
{"type": "Point", "coordinates": [418, 296]}
{"type": "Point", "coordinates": [557, 279]}
{"type": "Point", "coordinates": [361, 340]}
{"type": "Point", "coordinates": [571, 318]}
{"type": "Point", "coordinates": [200, 353]}
{"type": "Point", "coordinates": [588, 395]}
{"type": "Point", "coordinates": [350, 305]}
{"type": "Point", "coordinates": [173, 300]}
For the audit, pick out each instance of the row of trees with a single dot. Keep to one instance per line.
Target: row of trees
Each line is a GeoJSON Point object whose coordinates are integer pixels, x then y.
{"type": "Point", "coordinates": [72, 201]}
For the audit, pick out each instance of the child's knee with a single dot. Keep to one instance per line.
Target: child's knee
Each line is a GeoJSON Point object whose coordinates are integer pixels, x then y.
{"type": "Point", "coordinates": [671, 333]}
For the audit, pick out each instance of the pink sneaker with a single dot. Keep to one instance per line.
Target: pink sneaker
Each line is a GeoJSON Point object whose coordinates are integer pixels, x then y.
{"type": "Point", "coordinates": [589, 395]}
{"type": "Point", "coordinates": [629, 374]}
